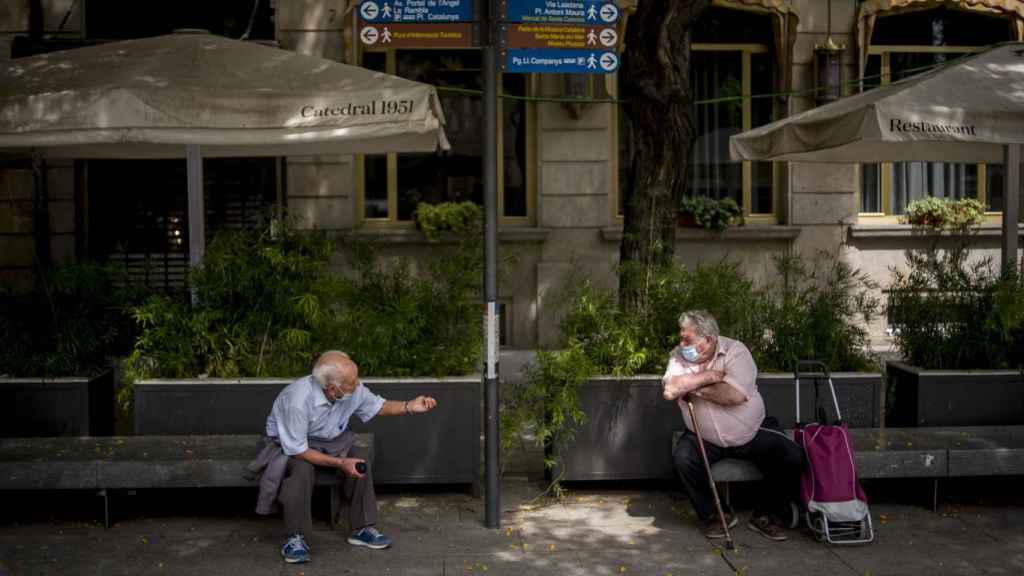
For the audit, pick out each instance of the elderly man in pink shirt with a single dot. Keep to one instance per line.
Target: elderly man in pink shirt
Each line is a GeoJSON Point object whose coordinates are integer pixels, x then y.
{"type": "Point", "coordinates": [719, 376]}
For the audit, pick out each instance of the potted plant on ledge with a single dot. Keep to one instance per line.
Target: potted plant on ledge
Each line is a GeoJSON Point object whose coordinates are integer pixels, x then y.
{"type": "Point", "coordinates": [267, 303]}
{"type": "Point", "coordinates": [710, 213]}
{"type": "Point", "coordinates": [959, 325]}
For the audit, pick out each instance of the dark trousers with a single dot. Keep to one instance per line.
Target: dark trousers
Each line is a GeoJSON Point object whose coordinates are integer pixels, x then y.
{"type": "Point", "coordinates": [296, 494]}
{"type": "Point", "coordinates": [778, 458]}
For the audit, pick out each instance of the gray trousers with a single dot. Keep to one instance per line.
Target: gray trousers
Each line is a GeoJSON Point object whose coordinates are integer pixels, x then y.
{"type": "Point", "coordinates": [296, 493]}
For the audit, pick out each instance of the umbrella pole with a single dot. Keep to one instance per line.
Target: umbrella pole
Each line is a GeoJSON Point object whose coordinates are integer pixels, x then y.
{"type": "Point", "coordinates": [1011, 205]}
{"type": "Point", "coordinates": [196, 213]}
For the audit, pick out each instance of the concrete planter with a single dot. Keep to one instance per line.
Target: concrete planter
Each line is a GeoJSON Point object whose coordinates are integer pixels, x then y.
{"type": "Point", "coordinates": [628, 432]}
{"type": "Point", "coordinates": [57, 406]}
{"type": "Point", "coordinates": [953, 397]}
{"type": "Point", "coordinates": [441, 447]}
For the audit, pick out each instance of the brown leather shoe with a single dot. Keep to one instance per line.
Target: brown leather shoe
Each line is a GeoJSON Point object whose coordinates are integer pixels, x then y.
{"type": "Point", "coordinates": [713, 530]}
{"type": "Point", "coordinates": [766, 526]}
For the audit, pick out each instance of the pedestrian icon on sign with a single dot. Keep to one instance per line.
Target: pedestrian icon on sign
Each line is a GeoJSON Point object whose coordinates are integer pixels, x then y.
{"type": "Point", "coordinates": [385, 36]}
{"type": "Point", "coordinates": [592, 13]}
{"type": "Point", "coordinates": [386, 10]}
{"type": "Point", "coordinates": [591, 36]}
{"type": "Point", "coordinates": [591, 61]}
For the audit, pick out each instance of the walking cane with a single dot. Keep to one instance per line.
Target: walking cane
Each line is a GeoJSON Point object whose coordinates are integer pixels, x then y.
{"type": "Point", "coordinates": [711, 480]}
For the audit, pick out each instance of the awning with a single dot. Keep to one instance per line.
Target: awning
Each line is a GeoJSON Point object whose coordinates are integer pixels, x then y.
{"type": "Point", "coordinates": [869, 10]}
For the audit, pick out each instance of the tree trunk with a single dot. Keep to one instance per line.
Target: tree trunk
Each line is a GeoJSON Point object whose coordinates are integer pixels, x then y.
{"type": "Point", "coordinates": [657, 88]}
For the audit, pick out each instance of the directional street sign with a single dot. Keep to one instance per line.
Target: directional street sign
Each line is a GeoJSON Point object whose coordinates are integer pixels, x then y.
{"type": "Point", "coordinates": [603, 12]}
{"type": "Point", "coordinates": [405, 35]}
{"type": "Point", "coordinates": [426, 11]}
{"type": "Point", "coordinates": [570, 36]}
{"type": "Point", "coordinates": [560, 61]}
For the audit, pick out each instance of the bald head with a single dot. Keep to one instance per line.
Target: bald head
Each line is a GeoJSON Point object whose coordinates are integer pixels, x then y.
{"type": "Point", "coordinates": [334, 369]}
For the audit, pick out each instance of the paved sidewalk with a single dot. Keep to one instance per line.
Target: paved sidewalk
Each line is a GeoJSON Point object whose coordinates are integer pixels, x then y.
{"type": "Point", "coordinates": [592, 532]}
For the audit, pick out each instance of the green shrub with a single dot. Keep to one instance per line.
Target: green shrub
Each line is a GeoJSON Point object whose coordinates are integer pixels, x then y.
{"type": "Point", "coordinates": [262, 307]}
{"type": "Point", "coordinates": [75, 318]}
{"type": "Point", "coordinates": [951, 313]}
{"type": "Point", "coordinates": [712, 214]}
{"type": "Point", "coordinates": [811, 312]}
{"type": "Point", "coordinates": [817, 312]}
{"type": "Point", "coordinates": [266, 304]}
{"type": "Point", "coordinates": [401, 322]}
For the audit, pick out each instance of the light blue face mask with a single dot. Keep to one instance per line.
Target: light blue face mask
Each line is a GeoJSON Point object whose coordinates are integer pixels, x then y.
{"type": "Point", "coordinates": [690, 353]}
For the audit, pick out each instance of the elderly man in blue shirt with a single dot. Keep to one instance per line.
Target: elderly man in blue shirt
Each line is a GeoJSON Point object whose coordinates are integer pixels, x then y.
{"type": "Point", "coordinates": [308, 428]}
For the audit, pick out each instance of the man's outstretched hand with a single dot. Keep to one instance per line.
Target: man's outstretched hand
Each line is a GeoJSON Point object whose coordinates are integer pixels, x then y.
{"type": "Point", "coordinates": [422, 404]}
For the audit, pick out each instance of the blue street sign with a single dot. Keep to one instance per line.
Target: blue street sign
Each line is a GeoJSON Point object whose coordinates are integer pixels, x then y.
{"type": "Point", "coordinates": [561, 11]}
{"type": "Point", "coordinates": [424, 11]}
{"type": "Point", "coordinates": [554, 60]}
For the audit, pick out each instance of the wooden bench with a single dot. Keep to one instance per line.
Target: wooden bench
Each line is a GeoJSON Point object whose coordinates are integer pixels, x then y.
{"type": "Point", "coordinates": [104, 464]}
{"type": "Point", "coordinates": [934, 453]}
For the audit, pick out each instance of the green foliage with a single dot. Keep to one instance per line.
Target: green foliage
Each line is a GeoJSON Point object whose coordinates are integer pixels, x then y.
{"type": "Point", "coordinates": [818, 312]}
{"type": "Point", "coordinates": [403, 322]}
{"type": "Point", "coordinates": [69, 325]}
{"type": "Point", "coordinates": [262, 307]}
{"type": "Point", "coordinates": [812, 312]}
{"type": "Point", "coordinates": [944, 214]}
{"type": "Point", "coordinates": [953, 313]}
{"type": "Point", "coordinates": [457, 217]}
{"type": "Point", "coordinates": [266, 303]}
{"type": "Point", "coordinates": [548, 404]}
{"type": "Point", "coordinates": [711, 213]}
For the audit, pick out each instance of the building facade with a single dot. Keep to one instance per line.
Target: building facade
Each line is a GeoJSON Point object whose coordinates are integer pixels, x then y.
{"type": "Point", "coordinates": [561, 162]}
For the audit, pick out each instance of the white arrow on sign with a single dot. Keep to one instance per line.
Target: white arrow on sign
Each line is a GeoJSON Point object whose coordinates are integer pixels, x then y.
{"type": "Point", "coordinates": [369, 10]}
{"type": "Point", "coordinates": [609, 37]}
{"type": "Point", "coordinates": [609, 62]}
{"type": "Point", "coordinates": [609, 12]}
{"type": "Point", "coordinates": [369, 35]}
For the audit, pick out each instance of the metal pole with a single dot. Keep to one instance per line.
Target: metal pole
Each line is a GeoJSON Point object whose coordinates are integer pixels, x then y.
{"type": "Point", "coordinates": [196, 214]}
{"type": "Point", "coordinates": [492, 493]}
{"type": "Point", "coordinates": [1011, 205]}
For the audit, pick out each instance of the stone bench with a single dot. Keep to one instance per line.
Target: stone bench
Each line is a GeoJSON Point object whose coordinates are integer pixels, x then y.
{"type": "Point", "coordinates": [133, 462]}
{"type": "Point", "coordinates": [934, 453]}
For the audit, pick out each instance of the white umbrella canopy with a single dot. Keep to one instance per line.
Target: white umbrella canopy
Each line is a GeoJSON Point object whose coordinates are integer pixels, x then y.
{"type": "Point", "coordinates": [152, 97]}
{"type": "Point", "coordinates": [968, 111]}
{"type": "Point", "coordinates": [962, 112]}
{"type": "Point", "coordinates": [191, 95]}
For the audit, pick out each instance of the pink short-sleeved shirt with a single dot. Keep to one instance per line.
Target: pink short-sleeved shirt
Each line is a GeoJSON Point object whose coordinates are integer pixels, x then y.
{"type": "Point", "coordinates": [723, 426]}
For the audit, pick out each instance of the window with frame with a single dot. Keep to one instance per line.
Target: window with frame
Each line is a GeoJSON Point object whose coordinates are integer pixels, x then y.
{"type": "Point", "coordinates": [391, 185]}
{"type": "Point", "coordinates": [732, 57]}
{"type": "Point", "coordinates": [137, 210]}
{"type": "Point", "coordinates": [903, 45]}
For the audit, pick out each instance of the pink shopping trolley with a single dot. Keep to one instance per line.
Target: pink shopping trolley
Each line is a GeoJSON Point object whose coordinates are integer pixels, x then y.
{"type": "Point", "coordinates": [836, 509]}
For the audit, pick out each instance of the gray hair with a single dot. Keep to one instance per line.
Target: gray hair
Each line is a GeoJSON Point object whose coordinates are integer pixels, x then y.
{"type": "Point", "coordinates": [702, 321]}
{"type": "Point", "coordinates": [327, 372]}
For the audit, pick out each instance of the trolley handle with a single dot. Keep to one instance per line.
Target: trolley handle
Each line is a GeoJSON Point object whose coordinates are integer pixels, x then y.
{"type": "Point", "coordinates": [819, 368]}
